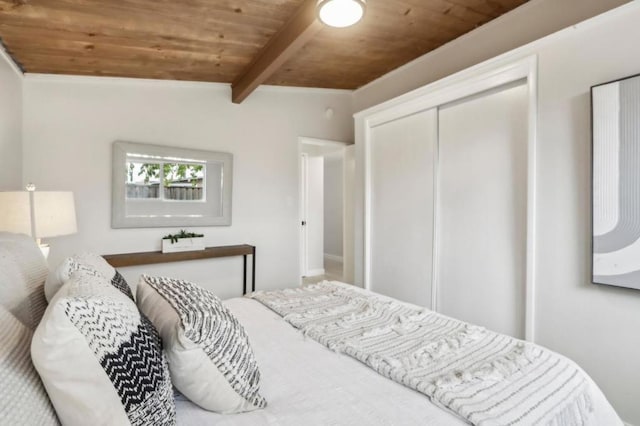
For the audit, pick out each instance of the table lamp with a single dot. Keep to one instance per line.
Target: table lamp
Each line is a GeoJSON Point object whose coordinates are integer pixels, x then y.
{"type": "Point", "coordinates": [39, 214]}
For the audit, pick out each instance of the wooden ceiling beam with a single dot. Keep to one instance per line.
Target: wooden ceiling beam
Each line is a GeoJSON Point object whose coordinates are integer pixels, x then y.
{"type": "Point", "coordinates": [301, 28]}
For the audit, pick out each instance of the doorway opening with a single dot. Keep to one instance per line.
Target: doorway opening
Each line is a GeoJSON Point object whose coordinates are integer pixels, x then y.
{"type": "Point", "coordinates": [324, 205]}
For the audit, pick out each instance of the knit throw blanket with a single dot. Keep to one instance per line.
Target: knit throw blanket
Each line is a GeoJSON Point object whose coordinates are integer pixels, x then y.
{"type": "Point", "coordinates": [485, 377]}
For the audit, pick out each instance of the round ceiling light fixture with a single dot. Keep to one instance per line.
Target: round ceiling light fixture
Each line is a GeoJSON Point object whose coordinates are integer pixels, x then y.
{"type": "Point", "coordinates": [340, 13]}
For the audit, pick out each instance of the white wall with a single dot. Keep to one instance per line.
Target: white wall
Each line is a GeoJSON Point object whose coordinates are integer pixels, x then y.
{"type": "Point", "coordinates": [10, 124]}
{"type": "Point", "coordinates": [597, 326]}
{"type": "Point", "coordinates": [71, 122]}
{"type": "Point", "coordinates": [529, 22]}
{"type": "Point", "coordinates": [333, 211]}
{"type": "Point", "coordinates": [592, 324]}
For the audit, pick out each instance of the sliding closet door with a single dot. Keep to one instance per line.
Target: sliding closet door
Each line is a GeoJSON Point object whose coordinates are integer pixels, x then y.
{"type": "Point", "coordinates": [402, 187]}
{"type": "Point", "coordinates": [482, 210]}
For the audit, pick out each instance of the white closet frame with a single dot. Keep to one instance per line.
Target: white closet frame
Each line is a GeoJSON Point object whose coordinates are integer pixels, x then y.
{"type": "Point", "coordinates": [477, 79]}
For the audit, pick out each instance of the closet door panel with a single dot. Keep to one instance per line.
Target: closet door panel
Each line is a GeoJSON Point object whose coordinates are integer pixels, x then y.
{"type": "Point", "coordinates": [482, 210]}
{"type": "Point", "coordinates": [402, 190]}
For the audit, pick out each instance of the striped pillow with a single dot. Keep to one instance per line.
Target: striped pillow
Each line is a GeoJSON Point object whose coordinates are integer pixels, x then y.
{"type": "Point", "coordinates": [100, 360]}
{"type": "Point", "coordinates": [24, 400]}
{"type": "Point", "coordinates": [210, 358]}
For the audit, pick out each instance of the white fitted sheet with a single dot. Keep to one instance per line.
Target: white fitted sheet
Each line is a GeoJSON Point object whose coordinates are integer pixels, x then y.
{"type": "Point", "coordinates": [306, 384]}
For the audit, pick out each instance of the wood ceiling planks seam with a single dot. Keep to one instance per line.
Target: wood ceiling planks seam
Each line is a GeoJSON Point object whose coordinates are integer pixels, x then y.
{"type": "Point", "coordinates": [219, 40]}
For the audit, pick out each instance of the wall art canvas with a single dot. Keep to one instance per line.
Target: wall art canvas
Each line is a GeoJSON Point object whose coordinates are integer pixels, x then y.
{"type": "Point", "coordinates": [616, 182]}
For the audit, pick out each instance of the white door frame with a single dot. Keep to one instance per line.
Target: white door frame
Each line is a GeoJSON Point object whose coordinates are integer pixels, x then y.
{"type": "Point", "coordinates": [466, 83]}
{"type": "Point", "coordinates": [303, 198]}
{"type": "Point", "coordinates": [303, 207]}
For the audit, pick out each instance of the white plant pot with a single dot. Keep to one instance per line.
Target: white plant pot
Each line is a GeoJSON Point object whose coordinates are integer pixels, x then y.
{"type": "Point", "coordinates": [183, 244]}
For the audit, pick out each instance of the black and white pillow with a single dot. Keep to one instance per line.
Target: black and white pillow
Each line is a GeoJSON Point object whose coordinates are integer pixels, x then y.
{"type": "Point", "coordinates": [100, 359]}
{"type": "Point", "coordinates": [92, 264]}
{"type": "Point", "coordinates": [209, 354]}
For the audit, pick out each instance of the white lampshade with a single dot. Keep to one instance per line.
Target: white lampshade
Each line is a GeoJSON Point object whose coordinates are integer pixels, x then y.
{"type": "Point", "coordinates": [52, 214]}
{"type": "Point", "coordinates": [15, 212]}
{"type": "Point", "coordinates": [341, 13]}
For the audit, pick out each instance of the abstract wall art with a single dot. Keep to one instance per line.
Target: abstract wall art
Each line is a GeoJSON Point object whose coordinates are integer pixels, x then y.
{"type": "Point", "coordinates": [616, 182]}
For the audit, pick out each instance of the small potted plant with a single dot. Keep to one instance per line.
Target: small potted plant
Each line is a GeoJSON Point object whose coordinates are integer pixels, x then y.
{"type": "Point", "coordinates": [182, 241]}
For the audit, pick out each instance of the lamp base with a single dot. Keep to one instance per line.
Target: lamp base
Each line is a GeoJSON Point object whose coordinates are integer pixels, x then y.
{"type": "Point", "coordinates": [44, 248]}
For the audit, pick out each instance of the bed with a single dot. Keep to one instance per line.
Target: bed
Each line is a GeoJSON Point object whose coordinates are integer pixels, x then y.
{"type": "Point", "coordinates": [303, 381]}
{"type": "Point", "coordinates": [306, 383]}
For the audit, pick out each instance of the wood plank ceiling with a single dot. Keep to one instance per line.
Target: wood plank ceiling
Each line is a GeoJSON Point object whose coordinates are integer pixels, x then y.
{"type": "Point", "coordinates": [218, 40]}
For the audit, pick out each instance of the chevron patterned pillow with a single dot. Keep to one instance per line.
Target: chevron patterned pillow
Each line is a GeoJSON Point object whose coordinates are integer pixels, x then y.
{"type": "Point", "coordinates": [91, 263]}
{"type": "Point", "coordinates": [210, 357]}
{"type": "Point", "coordinates": [100, 359]}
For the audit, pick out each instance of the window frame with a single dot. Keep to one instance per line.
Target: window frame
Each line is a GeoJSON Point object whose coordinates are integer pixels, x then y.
{"type": "Point", "coordinates": [162, 212]}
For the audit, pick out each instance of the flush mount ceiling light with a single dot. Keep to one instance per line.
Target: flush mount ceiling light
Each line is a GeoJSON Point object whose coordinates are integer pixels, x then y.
{"type": "Point", "coordinates": [340, 13]}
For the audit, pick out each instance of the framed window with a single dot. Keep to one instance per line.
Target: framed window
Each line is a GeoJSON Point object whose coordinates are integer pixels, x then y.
{"type": "Point", "coordinates": [156, 186]}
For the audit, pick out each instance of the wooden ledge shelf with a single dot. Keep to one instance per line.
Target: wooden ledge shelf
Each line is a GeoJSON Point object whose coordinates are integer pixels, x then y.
{"type": "Point", "coordinates": [153, 257]}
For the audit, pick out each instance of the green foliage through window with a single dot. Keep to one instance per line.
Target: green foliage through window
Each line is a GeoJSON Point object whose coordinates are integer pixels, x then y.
{"type": "Point", "coordinates": [172, 172]}
{"type": "Point", "coordinates": [179, 181]}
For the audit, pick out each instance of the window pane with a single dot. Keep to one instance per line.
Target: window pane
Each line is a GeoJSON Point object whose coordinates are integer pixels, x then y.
{"type": "Point", "coordinates": [143, 180]}
{"type": "Point", "coordinates": [184, 181]}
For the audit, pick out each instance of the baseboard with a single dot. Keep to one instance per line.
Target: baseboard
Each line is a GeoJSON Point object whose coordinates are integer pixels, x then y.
{"type": "Point", "coordinates": [333, 257]}
{"type": "Point", "coordinates": [314, 272]}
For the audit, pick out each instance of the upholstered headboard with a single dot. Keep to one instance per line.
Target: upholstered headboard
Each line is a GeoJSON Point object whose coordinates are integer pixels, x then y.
{"type": "Point", "coordinates": [23, 271]}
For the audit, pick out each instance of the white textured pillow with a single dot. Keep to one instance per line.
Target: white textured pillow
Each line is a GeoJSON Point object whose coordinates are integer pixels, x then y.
{"type": "Point", "coordinates": [24, 400]}
{"type": "Point", "coordinates": [100, 360]}
{"type": "Point", "coordinates": [90, 263]}
{"type": "Point", "coordinates": [210, 358]}
{"type": "Point", "coordinates": [22, 274]}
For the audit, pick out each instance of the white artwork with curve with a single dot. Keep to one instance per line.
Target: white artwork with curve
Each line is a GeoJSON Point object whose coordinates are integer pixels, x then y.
{"type": "Point", "coordinates": [616, 183]}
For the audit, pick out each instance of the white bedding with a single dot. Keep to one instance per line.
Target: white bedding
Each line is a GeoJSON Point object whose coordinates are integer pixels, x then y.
{"type": "Point", "coordinates": [307, 384]}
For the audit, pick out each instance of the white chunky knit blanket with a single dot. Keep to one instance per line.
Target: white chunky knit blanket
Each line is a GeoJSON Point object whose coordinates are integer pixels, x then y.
{"type": "Point", "coordinates": [485, 377]}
